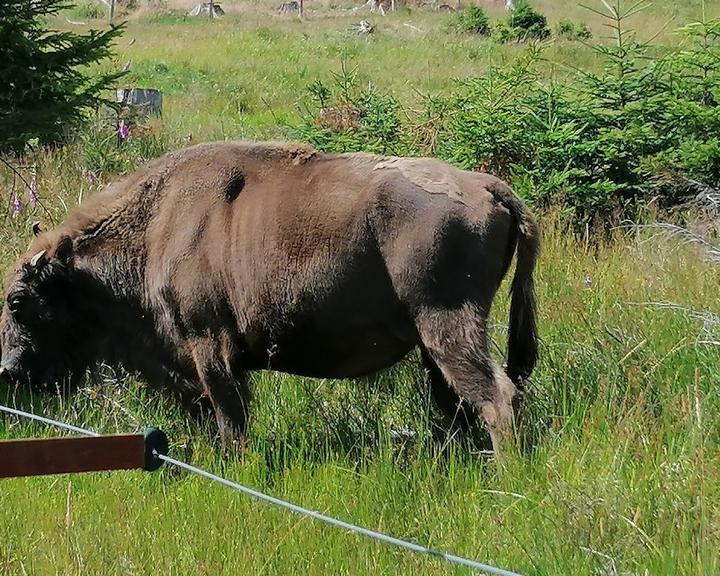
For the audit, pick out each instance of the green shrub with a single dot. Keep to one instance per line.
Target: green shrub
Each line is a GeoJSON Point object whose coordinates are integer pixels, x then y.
{"type": "Point", "coordinates": [527, 23]}
{"type": "Point", "coordinates": [570, 30]}
{"type": "Point", "coordinates": [472, 19]}
{"type": "Point", "coordinates": [502, 33]}
{"type": "Point", "coordinates": [348, 117]}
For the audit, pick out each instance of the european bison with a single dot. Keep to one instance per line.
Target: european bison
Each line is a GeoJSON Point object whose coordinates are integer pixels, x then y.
{"type": "Point", "coordinates": [228, 257]}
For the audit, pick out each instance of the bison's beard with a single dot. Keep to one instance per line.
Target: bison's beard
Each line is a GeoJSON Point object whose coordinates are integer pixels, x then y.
{"type": "Point", "coordinates": [59, 376]}
{"type": "Point", "coordinates": [53, 383]}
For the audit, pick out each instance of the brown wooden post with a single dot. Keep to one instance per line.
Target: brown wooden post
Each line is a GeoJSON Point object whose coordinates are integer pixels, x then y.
{"type": "Point", "coordinates": [302, 8]}
{"type": "Point", "coordinates": [69, 455]}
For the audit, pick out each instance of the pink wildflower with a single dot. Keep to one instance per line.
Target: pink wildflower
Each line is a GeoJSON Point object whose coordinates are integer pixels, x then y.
{"type": "Point", "coordinates": [32, 193]}
{"type": "Point", "coordinates": [16, 205]}
{"type": "Point", "coordinates": [123, 130]}
{"type": "Point", "coordinates": [91, 177]}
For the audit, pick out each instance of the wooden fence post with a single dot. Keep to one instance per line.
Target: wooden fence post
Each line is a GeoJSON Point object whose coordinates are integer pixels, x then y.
{"type": "Point", "coordinates": [39, 457]}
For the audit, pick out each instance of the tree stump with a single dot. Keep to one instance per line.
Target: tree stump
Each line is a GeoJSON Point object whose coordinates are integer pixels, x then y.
{"type": "Point", "coordinates": [291, 7]}
{"type": "Point", "coordinates": [211, 9]}
{"type": "Point", "coordinates": [365, 27]}
{"type": "Point", "coordinates": [147, 101]}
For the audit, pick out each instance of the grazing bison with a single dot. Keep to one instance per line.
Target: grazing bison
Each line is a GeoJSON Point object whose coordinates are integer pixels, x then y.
{"type": "Point", "coordinates": [229, 257]}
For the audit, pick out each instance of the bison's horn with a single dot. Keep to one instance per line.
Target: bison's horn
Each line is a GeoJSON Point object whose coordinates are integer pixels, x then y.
{"type": "Point", "coordinates": [36, 229]}
{"type": "Point", "coordinates": [38, 259]}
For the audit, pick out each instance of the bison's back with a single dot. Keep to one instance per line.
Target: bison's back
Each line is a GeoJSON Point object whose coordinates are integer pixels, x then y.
{"type": "Point", "coordinates": [317, 261]}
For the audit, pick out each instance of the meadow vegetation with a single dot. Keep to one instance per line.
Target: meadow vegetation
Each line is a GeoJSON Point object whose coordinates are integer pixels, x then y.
{"type": "Point", "coordinates": [625, 402]}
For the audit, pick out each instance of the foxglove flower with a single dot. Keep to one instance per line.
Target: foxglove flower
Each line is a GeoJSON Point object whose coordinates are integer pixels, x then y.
{"type": "Point", "coordinates": [32, 194]}
{"type": "Point", "coordinates": [123, 130]}
{"type": "Point", "coordinates": [16, 205]}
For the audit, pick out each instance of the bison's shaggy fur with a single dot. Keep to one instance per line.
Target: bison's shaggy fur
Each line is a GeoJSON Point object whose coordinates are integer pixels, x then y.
{"type": "Point", "coordinates": [229, 257]}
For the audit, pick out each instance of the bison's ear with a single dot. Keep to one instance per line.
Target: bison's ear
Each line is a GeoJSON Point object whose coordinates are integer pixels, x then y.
{"type": "Point", "coordinates": [65, 250]}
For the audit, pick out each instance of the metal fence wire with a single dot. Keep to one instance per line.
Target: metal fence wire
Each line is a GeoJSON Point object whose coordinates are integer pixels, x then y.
{"type": "Point", "coordinates": [380, 537]}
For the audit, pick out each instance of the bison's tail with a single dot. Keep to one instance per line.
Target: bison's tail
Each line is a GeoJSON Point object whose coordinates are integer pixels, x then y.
{"type": "Point", "coordinates": [522, 339]}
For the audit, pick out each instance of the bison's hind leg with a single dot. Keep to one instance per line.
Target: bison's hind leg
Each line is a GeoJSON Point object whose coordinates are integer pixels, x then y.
{"type": "Point", "coordinates": [457, 416]}
{"type": "Point", "coordinates": [455, 340]}
{"type": "Point", "coordinates": [225, 386]}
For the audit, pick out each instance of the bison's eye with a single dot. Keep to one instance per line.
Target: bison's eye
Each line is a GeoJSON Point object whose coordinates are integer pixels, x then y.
{"type": "Point", "coordinates": [16, 300]}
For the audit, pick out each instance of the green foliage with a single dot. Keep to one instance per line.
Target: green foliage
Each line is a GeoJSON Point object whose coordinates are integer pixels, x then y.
{"type": "Point", "coordinates": [599, 144]}
{"type": "Point", "coordinates": [699, 58]}
{"type": "Point", "coordinates": [522, 24]}
{"type": "Point", "coordinates": [570, 30]}
{"type": "Point", "coordinates": [526, 22]}
{"type": "Point", "coordinates": [510, 124]}
{"type": "Point", "coordinates": [691, 113]}
{"type": "Point", "coordinates": [347, 117]}
{"type": "Point", "coordinates": [649, 118]}
{"type": "Point", "coordinates": [501, 32]}
{"type": "Point", "coordinates": [106, 152]}
{"type": "Point", "coordinates": [472, 19]}
{"type": "Point", "coordinates": [486, 128]}
{"type": "Point", "coordinates": [45, 87]}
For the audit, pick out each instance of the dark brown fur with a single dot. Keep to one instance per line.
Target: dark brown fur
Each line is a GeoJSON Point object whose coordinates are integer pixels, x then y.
{"type": "Point", "coordinates": [229, 257]}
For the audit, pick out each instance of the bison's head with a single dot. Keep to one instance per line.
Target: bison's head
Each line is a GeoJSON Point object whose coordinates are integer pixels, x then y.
{"type": "Point", "coordinates": [37, 323]}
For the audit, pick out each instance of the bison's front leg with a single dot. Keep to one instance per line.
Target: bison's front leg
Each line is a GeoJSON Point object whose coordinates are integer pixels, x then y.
{"type": "Point", "coordinates": [228, 392]}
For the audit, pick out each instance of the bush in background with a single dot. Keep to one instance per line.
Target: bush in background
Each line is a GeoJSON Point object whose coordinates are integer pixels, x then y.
{"type": "Point", "coordinates": [522, 24]}
{"type": "Point", "coordinates": [525, 23]}
{"type": "Point", "coordinates": [472, 19]}
{"type": "Point", "coordinates": [570, 30]}
{"type": "Point", "coordinates": [347, 117]}
{"type": "Point", "coordinates": [600, 145]}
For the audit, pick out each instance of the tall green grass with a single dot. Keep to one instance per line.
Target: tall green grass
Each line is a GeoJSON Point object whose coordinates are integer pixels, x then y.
{"type": "Point", "coordinates": [624, 402]}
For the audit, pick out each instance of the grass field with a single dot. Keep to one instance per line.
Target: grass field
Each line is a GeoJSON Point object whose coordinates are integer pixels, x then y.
{"type": "Point", "coordinates": [246, 74]}
{"type": "Point", "coordinates": [626, 397]}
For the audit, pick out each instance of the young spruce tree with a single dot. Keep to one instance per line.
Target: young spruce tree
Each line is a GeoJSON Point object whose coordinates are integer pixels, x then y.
{"type": "Point", "coordinates": [46, 88]}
